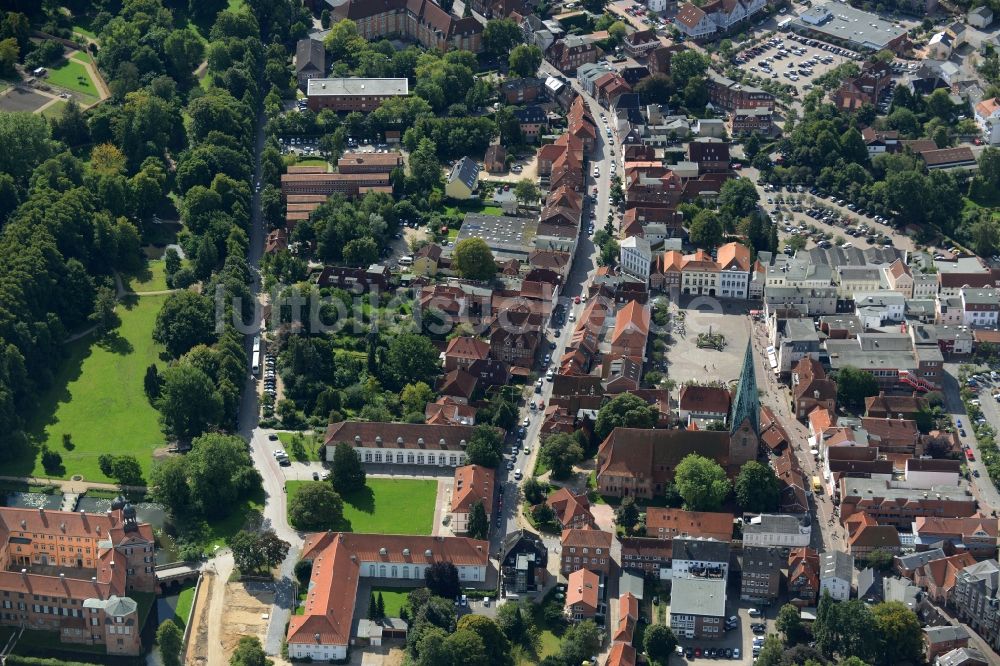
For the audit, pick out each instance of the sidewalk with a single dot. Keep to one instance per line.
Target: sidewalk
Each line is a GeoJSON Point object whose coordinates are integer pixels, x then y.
{"type": "Point", "coordinates": [69, 486]}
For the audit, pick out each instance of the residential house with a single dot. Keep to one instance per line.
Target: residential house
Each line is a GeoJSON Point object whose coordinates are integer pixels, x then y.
{"type": "Point", "coordinates": [582, 595]}
{"type": "Point", "coordinates": [761, 573]}
{"type": "Point", "coordinates": [987, 115]}
{"type": "Point", "coordinates": [758, 120]}
{"type": "Point", "coordinates": [522, 91]}
{"type": "Point", "coordinates": [631, 331]}
{"type": "Point", "coordinates": [811, 388]}
{"type": "Point", "coordinates": [459, 384]}
{"type": "Point", "coordinates": [940, 640]}
{"type": "Point", "coordinates": [586, 548]}
{"type": "Point", "coordinates": [803, 576]}
{"type": "Point", "coordinates": [523, 560]}
{"type": "Point", "coordinates": [650, 557]}
{"type": "Point", "coordinates": [473, 484]}
{"type": "Point", "coordinates": [699, 557]}
{"type": "Point", "coordinates": [610, 88]}
{"type": "Point", "coordinates": [980, 17]}
{"type": "Point", "coordinates": [463, 179]}
{"type": "Point", "coordinates": [976, 535]}
{"type": "Point", "coordinates": [879, 142]}
{"type": "Point", "coordinates": [636, 258]}
{"type": "Point", "coordinates": [572, 511]}
{"type": "Point", "coordinates": [623, 654]}
{"type": "Point", "coordinates": [698, 608]}
{"type": "Point", "coordinates": [463, 351]}
{"type": "Point", "coordinates": [628, 618]}
{"type": "Point", "coordinates": [711, 156]}
{"type": "Point", "coordinates": [666, 524]}
{"type": "Point", "coordinates": [640, 43]}
{"type": "Point", "coordinates": [836, 575]}
{"type": "Point", "coordinates": [980, 307]}
{"type": "Point", "coordinates": [700, 274]}
{"type": "Point", "coordinates": [967, 656]}
{"type": "Point", "coordinates": [733, 260]}
{"type": "Point", "coordinates": [694, 23]}
{"type": "Point", "coordinates": [572, 51]}
{"type": "Point", "coordinates": [495, 160]}
{"type": "Point", "coordinates": [427, 260]}
{"type": "Point", "coordinates": [975, 600]}
{"type": "Point", "coordinates": [866, 536]}
{"type": "Point", "coordinates": [781, 530]}
{"type": "Point", "coordinates": [898, 506]}
{"type": "Point", "coordinates": [731, 95]}
{"type": "Point", "coordinates": [865, 88]}
{"type": "Point", "coordinates": [310, 60]}
{"type": "Point", "coordinates": [532, 121]}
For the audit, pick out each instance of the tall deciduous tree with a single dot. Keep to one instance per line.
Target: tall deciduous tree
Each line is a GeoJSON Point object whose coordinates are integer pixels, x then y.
{"type": "Point", "coordinates": [854, 385]}
{"type": "Point", "coordinates": [479, 522]}
{"type": "Point", "coordinates": [170, 638]}
{"type": "Point", "coordinates": [702, 483]}
{"type": "Point", "coordinates": [560, 452]}
{"type": "Point", "coordinates": [624, 411]}
{"type": "Point", "coordinates": [659, 643]}
{"type": "Point", "coordinates": [249, 652]}
{"type": "Point", "coordinates": [348, 475]}
{"type": "Point", "coordinates": [484, 447]}
{"type": "Point", "coordinates": [316, 507]}
{"type": "Point", "coordinates": [757, 488]}
{"type": "Point", "coordinates": [474, 260]}
{"type": "Point", "coordinates": [185, 320]}
{"type": "Point", "coordinates": [442, 579]}
{"type": "Point", "coordinates": [525, 59]}
{"type": "Point", "coordinates": [189, 403]}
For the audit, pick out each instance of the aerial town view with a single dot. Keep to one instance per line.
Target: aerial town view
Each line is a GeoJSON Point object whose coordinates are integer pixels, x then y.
{"type": "Point", "coordinates": [499, 332]}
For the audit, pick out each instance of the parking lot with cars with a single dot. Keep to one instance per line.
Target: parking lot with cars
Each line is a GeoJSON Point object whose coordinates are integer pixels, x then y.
{"type": "Point", "coordinates": [745, 631]}
{"type": "Point", "coordinates": [792, 60]}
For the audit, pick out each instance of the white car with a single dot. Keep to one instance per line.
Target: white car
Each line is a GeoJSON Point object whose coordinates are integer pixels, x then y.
{"type": "Point", "coordinates": [597, 172]}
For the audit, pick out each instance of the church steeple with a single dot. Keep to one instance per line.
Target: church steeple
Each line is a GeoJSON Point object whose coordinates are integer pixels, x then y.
{"type": "Point", "coordinates": [746, 404]}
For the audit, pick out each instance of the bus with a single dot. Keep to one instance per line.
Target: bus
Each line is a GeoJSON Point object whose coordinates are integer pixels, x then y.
{"type": "Point", "coordinates": [255, 356]}
{"type": "Point", "coordinates": [817, 486]}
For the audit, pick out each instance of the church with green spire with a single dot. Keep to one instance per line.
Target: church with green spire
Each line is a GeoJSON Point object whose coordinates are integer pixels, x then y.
{"type": "Point", "coordinates": [744, 414]}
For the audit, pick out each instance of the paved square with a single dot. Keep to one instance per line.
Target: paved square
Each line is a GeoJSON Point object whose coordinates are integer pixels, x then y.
{"type": "Point", "coordinates": [686, 362]}
{"type": "Point", "coordinates": [22, 99]}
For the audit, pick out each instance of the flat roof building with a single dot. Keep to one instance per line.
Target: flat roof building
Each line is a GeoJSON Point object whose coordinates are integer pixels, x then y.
{"type": "Point", "coordinates": [507, 237]}
{"type": "Point", "coordinates": [354, 93]}
{"type": "Point", "coordinates": [840, 23]}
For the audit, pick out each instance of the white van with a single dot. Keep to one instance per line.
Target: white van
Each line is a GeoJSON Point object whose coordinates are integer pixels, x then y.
{"type": "Point", "coordinates": [517, 475]}
{"type": "Point", "coordinates": [406, 261]}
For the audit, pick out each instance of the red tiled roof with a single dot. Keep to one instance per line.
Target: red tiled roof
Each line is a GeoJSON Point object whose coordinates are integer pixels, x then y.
{"type": "Point", "coordinates": [568, 506]}
{"type": "Point", "coordinates": [582, 587]}
{"type": "Point", "coordinates": [621, 654]}
{"type": "Point", "coordinates": [586, 538]}
{"type": "Point", "coordinates": [667, 523]}
{"type": "Point", "coordinates": [468, 348]}
{"type": "Point", "coordinates": [473, 483]}
{"type": "Point", "coordinates": [705, 399]}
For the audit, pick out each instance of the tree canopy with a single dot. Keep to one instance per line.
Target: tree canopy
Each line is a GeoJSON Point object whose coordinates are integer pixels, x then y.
{"type": "Point", "coordinates": [757, 488]}
{"type": "Point", "coordinates": [625, 410]}
{"type": "Point", "coordinates": [474, 260]}
{"type": "Point", "coordinates": [316, 507]}
{"type": "Point", "coordinates": [702, 483]}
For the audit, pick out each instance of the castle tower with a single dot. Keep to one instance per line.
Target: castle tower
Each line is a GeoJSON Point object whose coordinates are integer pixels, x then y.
{"type": "Point", "coordinates": [744, 417]}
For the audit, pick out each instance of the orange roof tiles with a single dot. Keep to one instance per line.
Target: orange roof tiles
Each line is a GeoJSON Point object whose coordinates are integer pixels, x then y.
{"type": "Point", "coordinates": [734, 256]}
{"type": "Point", "coordinates": [473, 483]}
{"type": "Point", "coordinates": [668, 523]}
{"type": "Point", "coordinates": [586, 538]}
{"type": "Point", "coordinates": [582, 588]}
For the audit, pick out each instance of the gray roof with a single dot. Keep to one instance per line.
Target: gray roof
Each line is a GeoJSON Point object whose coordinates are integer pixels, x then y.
{"type": "Point", "coordinates": [836, 564]}
{"type": "Point", "coordinates": [698, 596]}
{"type": "Point", "coordinates": [700, 549]}
{"type": "Point", "coordinates": [310, 53]}
{"type": "Point", "coordinates": [986, 571]}
{"type": "Point", "coordinates": [865, 580]}
{"type": "Point", "coordinates": [506, 236]}
{"type": "Point", "coordinates": [467, 171]}
{"type": "Point", "coordinates": [757, 559]}
{"type": "Point", "coordinates": [114, 606]}
{"type": "Point", "coordinates": [880, 488]}
{"type": "Point", "coordinates": [776, 523]}
{"type": "Point", "coordinates": [899, 589]}
{"type": "Point", "coordinates": [961, 656]}
{"type": "Point", "coordinates": [945, 634]}
{"type": "Point", "coordinates": [845, 23]}
{"type": "Point", "coordinates": [357, 86]}
{"type": "Point", "coordinates": [629, 582]}
{"type": "Point", "coordinates": [914, 560]}
{"type": "Point", "coordinates": [980, 296]}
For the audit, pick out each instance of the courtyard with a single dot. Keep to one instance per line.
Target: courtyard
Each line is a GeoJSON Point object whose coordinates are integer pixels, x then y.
{"type": "Point", "coordinates": [386, 506]}
{"type": "Point", "coordinates": [22, 99]}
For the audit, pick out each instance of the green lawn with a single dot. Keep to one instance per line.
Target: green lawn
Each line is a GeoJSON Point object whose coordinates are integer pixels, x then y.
{"type": "Point", "coordinates": [82, 56]}
{"type": "Point", "coordinates": [98, 398]}
{"type": "Point", "coordinates": [153, 277]}
{"type": "Point", "coordinates": [236, 5]}
{"type": "Point", "coordinates": [386, 506]}
{"type": "Point", "coordinates": [312, 161]}
{"type": "Point", "coordinates": [393, 597]}
{"type": "Point", "coordinates": [72, 75]}
{"type": "Point", "coordinates": [184, 603]}
{"type": "Point", "coordinates": [221, 530]}
{"type": "Point", "coordinates": [471, 206]}
{"type": "Point", "coordinates": [54, 110]}
{"type": "Point", "coordinates": [311, 445]}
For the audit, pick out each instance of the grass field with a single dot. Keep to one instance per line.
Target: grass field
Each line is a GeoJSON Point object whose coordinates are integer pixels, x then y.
{"type": "Point", "coordinates": [152, 278]}
{"type": "Point", "coordinates": [72, 75]}
{"type": "Point", "coordinates": [184, 602]}
{"type": "Point", "coordinates": [311, 444]}
{"type": "Point", "coordinates": [386, 506]}
{"type": "Point", "coordinates": [394, 599]}
{"type": "Point", "coordinates": [82, 56]}
{"type": "Point", "coordinates": [55, 110]}
{"type": "Point", "coordinates": [312, 161]}
{"type": "Point", "coordinates": [98, 398]}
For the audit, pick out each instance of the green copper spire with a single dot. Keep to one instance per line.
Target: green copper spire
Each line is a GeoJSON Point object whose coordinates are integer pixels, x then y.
{"type": "Point", "coordinates": [746, 404]}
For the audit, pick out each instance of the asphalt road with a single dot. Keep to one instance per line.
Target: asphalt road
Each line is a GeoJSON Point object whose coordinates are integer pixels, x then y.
{"type": "Point", "coordinates": [982, 487]}
{"type": "Point", "coordinates": [582, 272]}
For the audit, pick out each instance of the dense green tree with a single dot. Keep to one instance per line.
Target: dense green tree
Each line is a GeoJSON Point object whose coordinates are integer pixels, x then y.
{"type": "Point", "coordinates": [411, 357]}
{"type": "Point", "coordinates": [686, 65]}
{"type": "Point", "coordinates": [900, 631]}
{"type": "Point", "coordinates": [534, 491]}
{"type": "Point", "coordinates": [249, 651]}
{"type": "Point", "coordinates": [484, 447]}
{"type": "Point", "coordinates": [500, 36]}
{"type": "Point", "coordinates": [256, 551]}
{"type": "Point", "coordinates": [189, 403]}
{"type": "Point", "coordinates": [854, 385]}
{"type": "Point", "coordinates": [361, 252]}
{"type": "Point", "coordinates": [560, 452]}
{"type": "Point", "coordinates": [526, 191]}
{"type": "Point", "coordinates": [581, 641]}
{"type": "Point", "coordinates": [185, 320]}
{"type": "Point", "coordinates": [441, 579]}
{"type": "Point", "coordinates": [495, 643]}
{"type": "Point", "coordinates": [702, 483]}
{"type": "Point", "coordinates": [659, 643]}
{"type": "Point", "coordinates": [348, 475]}
{"type": "Point", "coordinates": [525, 59]}
{"type": "Point", "coordinates": [706, 230]}
{"type": "Point", "coordinates": [738, 198]}
{"type": "Point", "coordinates": [625, 410]}
{"type": "Point", "coordinates": [790, 624]}
{"type": "Point", "coordinates": [315, 507]}
{"type": "Point", "coordinates": [479, 522]}
{"type": "Point", "coordinates": [170, 638]}
{"type": "Point", "coordinates": [771, 652]}
{"type": "Point", "coordinates": [757, 488]}
{"type": "Point", "coordinates": [627, 514]}
{"type": "Point", "coordinates": [25, 141]}
{"type": "Point", "coordinates": [473, 260]}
